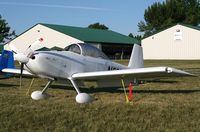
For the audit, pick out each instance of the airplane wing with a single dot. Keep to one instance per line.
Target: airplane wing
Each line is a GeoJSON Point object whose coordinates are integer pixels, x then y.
{"type": "Point", "coordinates": [140, 73]}
{"type": "Point", "coordinates": [17, 71]}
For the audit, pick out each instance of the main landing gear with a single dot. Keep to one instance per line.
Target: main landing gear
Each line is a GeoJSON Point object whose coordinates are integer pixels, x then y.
{"type": "Point", "coordinates": [81, 97]}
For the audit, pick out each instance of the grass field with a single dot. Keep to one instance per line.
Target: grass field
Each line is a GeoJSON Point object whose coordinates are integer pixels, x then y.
{"type": "Point", "coordinates": [169, 105]}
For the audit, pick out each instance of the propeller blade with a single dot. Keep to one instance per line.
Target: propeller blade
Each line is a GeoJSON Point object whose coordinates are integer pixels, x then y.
{"type": "Point", "coordinates": [21, 73]}
{"type": "Point", "coordinates": [22, 58]}
{"type": "Point", "coordinates": [33, 47]}
{"type": "Point", "coordinates": [13, 48]}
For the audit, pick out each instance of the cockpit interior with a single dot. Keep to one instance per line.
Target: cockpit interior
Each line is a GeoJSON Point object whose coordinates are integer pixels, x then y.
{"type": "Point", "coordinates": [86, 50]}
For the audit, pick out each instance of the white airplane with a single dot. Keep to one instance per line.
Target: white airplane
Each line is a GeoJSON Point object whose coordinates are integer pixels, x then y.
{"type": "Point", "coordinates": [83, 62]}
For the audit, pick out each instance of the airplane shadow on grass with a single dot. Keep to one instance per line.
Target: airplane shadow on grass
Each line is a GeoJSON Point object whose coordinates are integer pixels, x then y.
{"type": "Point", "coordinates": [160, 81]}
{"type": "Point", "coordinates": [166, 91]}
{"type": "Point", "coordinates": [120, 90]}
{"type": "Point", "coordinates": [8, 85]}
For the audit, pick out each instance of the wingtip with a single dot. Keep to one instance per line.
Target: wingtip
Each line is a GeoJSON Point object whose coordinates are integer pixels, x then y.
{"type": "Point", "coordinates": [184, 73]}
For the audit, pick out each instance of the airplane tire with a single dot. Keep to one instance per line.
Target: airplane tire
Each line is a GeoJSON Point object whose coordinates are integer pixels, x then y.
{"type": "Point", "coordinates": [37, 95]}
{"type": "Point", "coordinates": [84, 98]}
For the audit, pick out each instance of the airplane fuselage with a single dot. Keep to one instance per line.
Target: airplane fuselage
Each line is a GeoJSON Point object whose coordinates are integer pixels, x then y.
{"type": "Point", "coordinates": [63, 64]}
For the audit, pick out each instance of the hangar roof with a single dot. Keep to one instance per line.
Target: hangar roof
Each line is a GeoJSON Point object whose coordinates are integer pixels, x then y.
{"type": "Point", "coordinates": [190, 26]}
{"type": "Point", "coordinates": [93, 35]}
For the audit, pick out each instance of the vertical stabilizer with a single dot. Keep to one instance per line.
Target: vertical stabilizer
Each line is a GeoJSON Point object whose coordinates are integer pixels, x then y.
{"type": "Point", "coordinates": [136, 59]}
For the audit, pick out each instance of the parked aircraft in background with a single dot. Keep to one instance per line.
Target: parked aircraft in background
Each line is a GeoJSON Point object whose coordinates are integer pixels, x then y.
{"type": "Point", "coordinates": [82, 62]}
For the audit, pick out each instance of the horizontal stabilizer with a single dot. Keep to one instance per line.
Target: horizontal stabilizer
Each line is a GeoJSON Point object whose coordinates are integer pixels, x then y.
{"type": "Point", "coordinates": [17, 71]}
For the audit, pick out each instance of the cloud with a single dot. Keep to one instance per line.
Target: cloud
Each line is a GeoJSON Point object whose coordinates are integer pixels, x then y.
{"type": "Point", "coordinates": [54, 6]}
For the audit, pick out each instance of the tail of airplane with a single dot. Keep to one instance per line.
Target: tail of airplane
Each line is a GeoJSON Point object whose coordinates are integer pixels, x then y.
{"type": "Point", "coordinates": [6, 60]}
{"type": "Point", "coordinates": [136, 59]}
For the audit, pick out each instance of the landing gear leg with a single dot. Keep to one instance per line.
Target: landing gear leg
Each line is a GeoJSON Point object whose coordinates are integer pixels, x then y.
{"type": "Point", "coordinates": [38, 95]}
{"type": "Point", "coordinates": [81, 97]}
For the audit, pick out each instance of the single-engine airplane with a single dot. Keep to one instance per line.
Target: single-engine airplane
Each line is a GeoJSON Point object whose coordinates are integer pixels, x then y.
{"type": "Point", "coordinates": [83, 62]}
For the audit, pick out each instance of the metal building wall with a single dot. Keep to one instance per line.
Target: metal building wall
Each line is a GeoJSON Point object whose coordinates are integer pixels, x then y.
{"type": "Point", "coordinates": [177, 43]}
{"type": "Point", "coordinates": [51, 37]}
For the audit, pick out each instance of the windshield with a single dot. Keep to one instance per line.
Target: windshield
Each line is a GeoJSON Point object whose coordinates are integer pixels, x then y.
{"type": "Point", "coordinates": [73, 48]}
{"type": "Point", "coordinates": [86, 50]}
{"type": "Point", "coordinates": [89, 50]}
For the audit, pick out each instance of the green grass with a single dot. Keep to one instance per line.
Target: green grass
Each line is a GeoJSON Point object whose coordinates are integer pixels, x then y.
{"type": "Point", "coordinates": [169, 105]}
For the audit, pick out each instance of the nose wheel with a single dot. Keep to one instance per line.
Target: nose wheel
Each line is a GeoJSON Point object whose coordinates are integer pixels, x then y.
{"type": "Point", "coordinates": [38, 95]}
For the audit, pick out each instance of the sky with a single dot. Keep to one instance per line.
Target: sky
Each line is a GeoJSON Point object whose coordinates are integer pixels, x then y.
{"type": "Point", "coordinates": [119, 15]}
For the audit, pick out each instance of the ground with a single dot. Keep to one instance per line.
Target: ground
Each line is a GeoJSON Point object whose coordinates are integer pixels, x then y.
{"type": "Point", "coordinates": [160, 105]}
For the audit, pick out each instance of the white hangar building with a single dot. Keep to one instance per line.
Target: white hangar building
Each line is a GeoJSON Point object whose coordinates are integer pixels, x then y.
{"type": "Point", "coordinates": [59, 36]}
{"type": "Point", "coordinates": [179, 42]}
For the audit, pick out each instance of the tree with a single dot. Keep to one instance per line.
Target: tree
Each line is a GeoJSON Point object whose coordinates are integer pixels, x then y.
{"type": "Point", "coordinates": [98, 26]}
{"type": "Point", "coordinates": [159, 16]}
{"type": "Point", "coordinates": [131, 35]}
{"type": "Point", "coordinates": [5, 32]}
{"type": "Point", "coordinates": [138, 37]}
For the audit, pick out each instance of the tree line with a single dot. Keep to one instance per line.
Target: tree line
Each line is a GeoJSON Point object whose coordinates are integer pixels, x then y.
{"type": "Point", "coordinates": [160, 16]}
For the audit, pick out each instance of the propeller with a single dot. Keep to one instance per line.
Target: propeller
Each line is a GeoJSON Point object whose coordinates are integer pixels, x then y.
{"type": "Point", "coordinates": [23, 58]}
